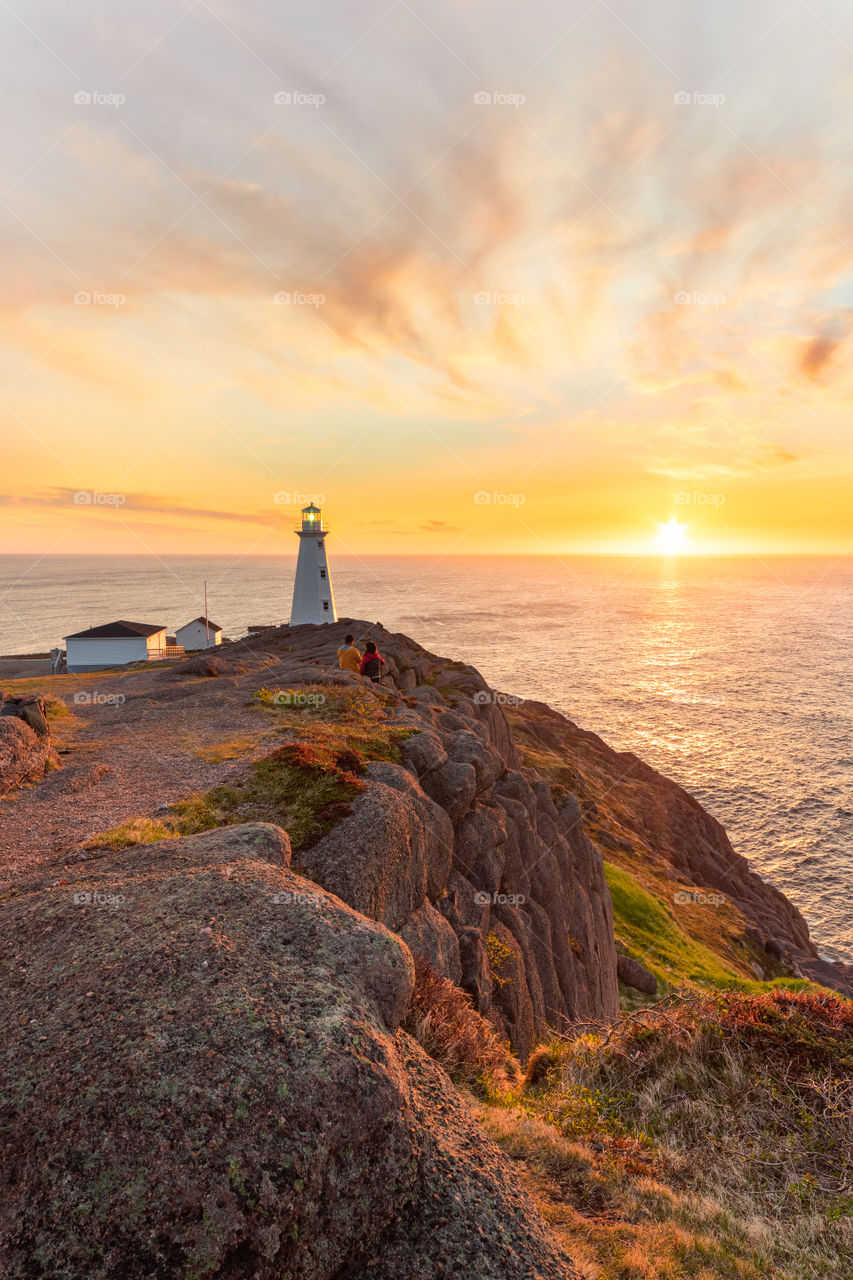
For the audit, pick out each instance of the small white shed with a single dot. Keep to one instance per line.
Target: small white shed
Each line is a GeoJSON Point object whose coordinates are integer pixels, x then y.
{"type": "Point", "coordinates": [114, 644]}
{"type": "Point", "coordinates": [192, 634]}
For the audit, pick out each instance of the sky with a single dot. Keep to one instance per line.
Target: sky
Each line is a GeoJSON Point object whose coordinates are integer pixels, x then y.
{"type": "Point", "coordinates": [479, 277]}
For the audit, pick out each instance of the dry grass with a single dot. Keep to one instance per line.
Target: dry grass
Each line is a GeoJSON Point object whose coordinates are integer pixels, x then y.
{"type": "Point", "coordinates": [709, 1139]}
{"type": "Point", "coordinates": [195, 813]}
{"type": "Point", "coordinates": [231, 749]}
{"type": "Point", "coordinates": [443, 1020]}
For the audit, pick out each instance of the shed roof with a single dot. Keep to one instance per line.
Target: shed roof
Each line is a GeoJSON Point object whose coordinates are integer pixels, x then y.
{"type": "Point", "coordinates": [211, 625]}
{"type": "Point", "coordinates": [122, 630]}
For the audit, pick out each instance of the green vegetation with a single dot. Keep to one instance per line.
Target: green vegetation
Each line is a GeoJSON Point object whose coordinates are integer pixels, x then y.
{"type": "Point", "coordinates": [55, 708]}
{"type": "Point", "coordinates": [306, 785]}
{"type": "Point", "coordinates": [184, 818]}
{"type": "Point", "coordinates": [650, 934]}
{"type": "Point", "coordinates": [500, 956]}
{"type": "Point", "coordinates": [708, 1139]}
{"type": "Point", "coordinates": [296, 788]}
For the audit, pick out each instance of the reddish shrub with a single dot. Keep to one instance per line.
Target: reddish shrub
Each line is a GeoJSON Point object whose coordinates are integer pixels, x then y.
{"type": "Point", "coordinates": [443, 1020]}
{"type": "Point", "coordinates": [299, 755]}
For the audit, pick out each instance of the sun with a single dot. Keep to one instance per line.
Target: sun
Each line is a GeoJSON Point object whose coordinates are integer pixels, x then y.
{"type": "Point", "coordinates": [671, 538]}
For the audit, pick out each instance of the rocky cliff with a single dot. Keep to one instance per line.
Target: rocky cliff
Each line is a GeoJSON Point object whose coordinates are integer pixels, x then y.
{"type": "Point", "coordinates": [203, 1071]}
{"type": "Point", "coordinates": [650, 825]}
{"type": "Point", "coordinates": [509, 854]}
{"type": "Point", "coordinates": [461, 849]}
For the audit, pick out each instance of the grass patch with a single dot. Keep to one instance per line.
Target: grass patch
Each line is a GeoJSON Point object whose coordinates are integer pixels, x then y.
{"type": "Point", "coordinates": [298, 787]}
{"type": "Point", "coordinates": [55, 708]}
{"type": "Point", "coordinates": [710, 1138]}
{"type": "Point", "coordinates": [185, 818]}
{"type": "Point", "coordinates": [651, 936]}
{"type": "Point", "coordinates": [334, 717]}
{"type": "Point", "coordinates": [230, 749]}
{"type": "Point", "coordinates": [294, 788]}
{"type": "Point", "coordinates": [442, 1018]}
{"type": "Point", "coordinates": [135, 830]}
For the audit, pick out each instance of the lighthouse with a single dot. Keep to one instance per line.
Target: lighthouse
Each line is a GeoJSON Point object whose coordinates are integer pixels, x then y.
{"type": "Point", "coordinates": [313, 598]}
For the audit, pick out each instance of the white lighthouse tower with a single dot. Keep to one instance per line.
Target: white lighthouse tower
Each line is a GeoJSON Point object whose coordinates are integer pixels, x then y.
{"type": "Point", "coordinates": [313, 598]}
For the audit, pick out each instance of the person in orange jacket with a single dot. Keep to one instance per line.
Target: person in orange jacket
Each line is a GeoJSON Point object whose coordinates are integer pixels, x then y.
{"type": "Point", "coordinates": [349, 657]}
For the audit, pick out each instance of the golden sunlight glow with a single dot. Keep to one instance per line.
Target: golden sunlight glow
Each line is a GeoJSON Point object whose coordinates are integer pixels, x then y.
{"type": "Point", "coordinates": [671, 537]}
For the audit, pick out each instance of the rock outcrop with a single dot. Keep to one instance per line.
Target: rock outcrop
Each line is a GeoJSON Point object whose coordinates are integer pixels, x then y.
{"type": "Point", "coordinates": [463, 852]}
{"type": "Point", "coordinates": [551, 957]}
{"type": "Point", "coordinates": [203, 1074]}
{"type": "Point", "coordinates": [627, 805]}
{"type": "Point", "coordinates": [636, 975]}
{"type": "Point", "coordinates": [24, 754]}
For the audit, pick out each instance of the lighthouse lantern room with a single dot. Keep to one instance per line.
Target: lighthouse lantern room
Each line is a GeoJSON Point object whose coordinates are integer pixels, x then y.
{"type": "Point", "coordinates": [313, 598]}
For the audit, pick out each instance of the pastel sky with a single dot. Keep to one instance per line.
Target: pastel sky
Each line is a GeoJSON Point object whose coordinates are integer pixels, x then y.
{"type": "Point", "coordinates": [557, 272]}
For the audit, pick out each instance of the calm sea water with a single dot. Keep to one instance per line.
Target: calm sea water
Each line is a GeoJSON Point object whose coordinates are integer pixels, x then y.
{"type": "Point", "coordinates": [733, 676]}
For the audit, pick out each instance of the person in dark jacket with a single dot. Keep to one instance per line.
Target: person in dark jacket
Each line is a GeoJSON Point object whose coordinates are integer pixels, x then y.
{"type": "Point", "coordinates": [372, 663]}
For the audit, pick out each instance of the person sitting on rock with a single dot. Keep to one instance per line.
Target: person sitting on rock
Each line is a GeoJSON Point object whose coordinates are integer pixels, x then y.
{"type": "Point", "coordinates": [349, 657]}
{"type": "Point", "coordinates": [372, 663]}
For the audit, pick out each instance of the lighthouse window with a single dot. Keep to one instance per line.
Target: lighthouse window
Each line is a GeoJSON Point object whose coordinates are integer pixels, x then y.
{"type": "Point", "coordinates": [326, 606]}
{"type": "Point", "coordinates": [322, 573]}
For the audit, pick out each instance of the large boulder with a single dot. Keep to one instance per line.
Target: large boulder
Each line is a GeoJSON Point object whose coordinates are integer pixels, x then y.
{"type": "Point", "coordinates": [23, 753]}
{"type": "Point", "coordinates": [31, 709]}
{"type": "Point", "coordinates": [428, 935]}
{"type": "Point", "coordinates": [202, 1074]}
{"type": "Point", "coordinates": [391, 853]}
{"type": "Point", "coordinates": [636, 975]}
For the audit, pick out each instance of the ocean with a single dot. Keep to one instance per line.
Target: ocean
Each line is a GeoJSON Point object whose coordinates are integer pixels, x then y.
{"type": "Point", "coordinates": [732, 676]}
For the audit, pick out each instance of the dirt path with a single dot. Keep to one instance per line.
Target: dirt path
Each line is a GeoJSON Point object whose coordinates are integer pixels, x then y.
{"type": "Point", "coordinates": [168, 738]}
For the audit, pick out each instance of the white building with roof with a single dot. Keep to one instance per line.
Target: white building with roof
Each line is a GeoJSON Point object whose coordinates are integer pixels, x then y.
{"type": "Point", "coordinates": [114, 644]}
{"type": "Point", "coordinates": [198, 635]}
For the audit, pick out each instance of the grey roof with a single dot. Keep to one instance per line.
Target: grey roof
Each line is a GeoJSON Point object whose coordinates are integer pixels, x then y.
{"type": "Point", "coordinates": [117, 631]}
{"type": "Point", "coordinates": [211, 625]}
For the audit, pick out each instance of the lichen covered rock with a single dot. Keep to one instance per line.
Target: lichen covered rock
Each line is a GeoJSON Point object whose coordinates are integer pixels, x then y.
{"type": "Point", "coordinates": [202, 1075]}
{"type": "Point", "coordinates": [23, 753]}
